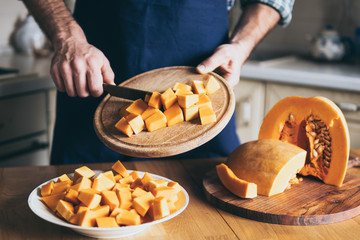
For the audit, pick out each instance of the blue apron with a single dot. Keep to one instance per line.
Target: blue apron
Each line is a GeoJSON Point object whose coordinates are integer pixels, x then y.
{"type": "Point", "coordinates": [138, 36]}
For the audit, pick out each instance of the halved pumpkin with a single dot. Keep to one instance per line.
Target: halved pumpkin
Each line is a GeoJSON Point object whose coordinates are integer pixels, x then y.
{"type": "Point", "coordinates": [318, 126]}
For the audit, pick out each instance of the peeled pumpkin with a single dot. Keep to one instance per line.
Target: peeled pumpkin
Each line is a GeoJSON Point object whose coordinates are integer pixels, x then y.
{"type": "Point", "coordinates": [269, 163]}
{"type": "Point", "coordinates": [316, 125]}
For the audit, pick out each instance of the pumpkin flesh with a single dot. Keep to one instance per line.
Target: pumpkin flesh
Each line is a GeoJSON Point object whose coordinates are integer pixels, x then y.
{"type": "Point", "coordinates": [316, 125]}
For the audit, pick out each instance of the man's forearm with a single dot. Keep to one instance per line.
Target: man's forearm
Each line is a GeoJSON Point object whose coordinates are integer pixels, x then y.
{"type": "Point", "coordinates": [55, 20]}
{"type": "Point", "coordinates": [255, 22]}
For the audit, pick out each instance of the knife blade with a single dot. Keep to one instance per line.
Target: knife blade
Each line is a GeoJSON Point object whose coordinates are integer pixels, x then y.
{"type": "Point", "coordinates": [125, 92]}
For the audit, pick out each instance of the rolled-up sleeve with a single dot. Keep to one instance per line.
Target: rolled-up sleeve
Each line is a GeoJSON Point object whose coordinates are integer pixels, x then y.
{"type": "Point", "coordinates": [284, 7]}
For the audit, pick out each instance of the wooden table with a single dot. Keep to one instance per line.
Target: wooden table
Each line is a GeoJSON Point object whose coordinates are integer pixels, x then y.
{"type": "Point", "coordinates": [199, 221]}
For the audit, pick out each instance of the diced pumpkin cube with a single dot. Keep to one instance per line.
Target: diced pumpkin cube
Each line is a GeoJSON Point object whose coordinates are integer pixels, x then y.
{"type": "Point", "coordinates": [109, 174]}
{"type": "Point", "coordinates": [138, 192]}
{"type": "Point", "coordinates": [63, 178]}
{"type": "Point", "coordinates": [82, 183]}
{"type": "Point", "coordinates": [148, 112]}
{"type": "Point", "coordinates": [174, 115]}
{"type": "Point", "coordinates": [52, 200]}
{"type": "Point", "coordinates": [147, 97]}
{"type": "Point", "coordinates": [134, 175]}
{"type": "Point", "coordinates": [155, 100]}
{"type": "Point", "coordinates": [116, 211]}
{"type": "Point", "coordinates": [118, 177]}
{"type": "Point", "coordinates": [137, 107]}
{"type": "Point", "coordinates": [72, 196]}
{"type": "Point", "coordinates": [164, 191]}
{"type": "Point", "coordinates": [120, 169]}
{"type": "Point", "coordinates": [83, 171]}
{"type": "Point", "coordinates": [155, 121]}
{"type": "Point", "coordinates": [212, 85]}
{"type": "Point", "coordinates": [128, 218]}
{"type": "Point", "coordinates": [60, 187]}
{"type": "Point", "coordinates": [89, 198]}
{"type": "Point", "coordinates": [47, 188]}
{"type": "Point", "coordinates": [172, 207]}
{"type": "Point", "coordinates": [204, 101]}
{"type": "Point", "coordinates": [183, 92]}
{"type": "Point", "coordinates": [84, 219]}
{"type": "Point", "coordinates": [101, 211]}
{"type": "Point", "coordinates": [186, 101]}
{"type": "Point", "coordinates": [101, 183]}
{"type": "Point", "coordinates": [109, 198]}
{"type": "Point", "coordinates": [126, 180]}
{"type": "Point", "coordinates": [137, 183]}
{"type": "Point", "coordinates": [146, 179]}
{"type": "Point", "coordinates": [160, 208]}
{"type": "Point", "coordinates": [106, 222]}
{"type": "Point", "coordinates": [182, 86]}
{"type": "Point", "coordinates": [123, 126]}
{"type": "Point", "coordinates": [168, 98]}
{"type": "Point", "coordinates": [198, 87]}
{"type": "Point", "coordinates": [191, 112]}
{"type": "Point", "coordinates": [125, 199]}
{"type": "Point", "coordinates": [65, 209]}
{"type": "Point", "coordinates": [136, 122]}
{"type": "Point", "coordinates": [142, 204]}
{"type": "Point", "coordinates": [157, 183]}
{"type": "Point", "coordinates": [120, 186]}
{"type": "Point", "coordinates": [207, 115]}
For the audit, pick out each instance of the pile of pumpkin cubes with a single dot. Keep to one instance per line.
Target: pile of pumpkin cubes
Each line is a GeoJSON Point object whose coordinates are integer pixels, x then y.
{"type": "Point", "coordinates": [110, 199]}
{"type": "Point", "coordinates": [181, 103]}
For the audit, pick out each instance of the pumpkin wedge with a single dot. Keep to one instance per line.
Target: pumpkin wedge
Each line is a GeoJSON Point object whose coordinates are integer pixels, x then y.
{"type": "Point", "coordinates": [269, 163]}
{"type": "Point", "coordinates": [318, 126]}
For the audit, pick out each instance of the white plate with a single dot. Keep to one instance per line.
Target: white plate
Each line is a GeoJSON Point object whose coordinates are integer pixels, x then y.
{"type": "Point", "coordinates": [40, 209]}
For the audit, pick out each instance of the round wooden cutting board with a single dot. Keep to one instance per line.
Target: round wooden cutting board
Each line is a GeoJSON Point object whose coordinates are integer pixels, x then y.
{"type": "Point", "coordinates": [167, 141]}
{"type": "Point", "coordinates": [310, 202]}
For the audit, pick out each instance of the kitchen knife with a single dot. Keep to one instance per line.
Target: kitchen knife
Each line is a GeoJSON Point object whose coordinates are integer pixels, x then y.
{"type": "Point", "coordinates": [125, 92]}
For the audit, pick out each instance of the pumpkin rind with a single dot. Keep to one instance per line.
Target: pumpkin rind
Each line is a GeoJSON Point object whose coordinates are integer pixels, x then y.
{"type": "Point", "coordinates": [297, 115]}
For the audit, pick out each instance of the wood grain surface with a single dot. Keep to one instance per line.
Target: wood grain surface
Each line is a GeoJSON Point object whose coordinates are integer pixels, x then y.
{"type": "Point", "coordinates": [167, 141]}
{"type": "Point", "coordinates": [310, 202]}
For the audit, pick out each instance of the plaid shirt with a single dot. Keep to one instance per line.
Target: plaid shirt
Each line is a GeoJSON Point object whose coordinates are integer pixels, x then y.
{"type": "Point", "coordinates": [284, 7]}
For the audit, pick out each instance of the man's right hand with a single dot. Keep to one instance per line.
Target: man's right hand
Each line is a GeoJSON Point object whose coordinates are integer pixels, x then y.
{"type": "Point", "coordinates": [79, 69]}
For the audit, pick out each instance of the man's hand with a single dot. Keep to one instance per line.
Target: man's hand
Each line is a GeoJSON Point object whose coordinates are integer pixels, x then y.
{"type": "Point", "coordinates": [79, 69]}
{"type": "Point", "coordinates": [226, 61]}
{"type": "Point", "coordinates": [255, 22]}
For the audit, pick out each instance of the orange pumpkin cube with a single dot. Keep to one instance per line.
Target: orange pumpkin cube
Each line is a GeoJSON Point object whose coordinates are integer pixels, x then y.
{"type": "Point", "coordinates": [186, 101]}
{"type": "Point", "coordinates": [156, 121]}
{"type": "Point", "coordinates": [120, 169]}
{"type": "Point", "coordinates": [212, 85]}
{"type": "Point", "coordinates": [204, 100]}
{"type": "Point", "coordinates": [101, 183]}
{"type": "Point", "coordinates": [191, 112]}
{"type": "Point", "coordinates": [125, 198]}
{"type": "Point", "coordinates": [168, 98]}
{"type": "Point", "coordinates": [81, 183]}
{"type": "Point", "coordinates": [198, 87]}
{"type": "Point", "coordinates": [182, 86]}
{"type": "Point", "coordinates": [89, 198]}
{"type": "Point", "coordinates": [148, 112]}
{"type": "Point", "coordinates": [63, 178]}
{"type": "Point", "coordinates": [155, 100]}
{"type": "Point", "coordinates": [60, 187]}
{"type": "Point", "coordinates": [109, 198]}
{"type": "Point", "coordinates": [83, 171]}
{"type": "Point", "coordinates": [142, 204]}
{"type": "Point", "coordinates": [47, 188]}
{"type": "Point", "coordinates": [123, 126]}
{"type": "Point", "coordinates": [72, 196]}
{"type": "Point", "coordinates": [106, 222]}
{"type": "Point", "coordinates": [207, 115]}
{"type": "Point", "coordinates": [128, 218]}
{"type": "Point", "coordinates": [138, 192]}
{"type": "Point", "coordinates": [65, 209]}
{"type": "Point", "coordinates": [137, 107]}
{"type": "Point", "coordinates": [52, 200]}
{"type": "Point", "coordinates": [164, 191]}
{"type": "Point", "coordinates": [136, 122]}
{"type": "Point", "coordinates": [174, 115]}
{"type": "Point", "coordinates": [160, 208]}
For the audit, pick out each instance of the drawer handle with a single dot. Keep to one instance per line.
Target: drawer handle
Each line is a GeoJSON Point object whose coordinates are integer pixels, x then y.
{"type": "Point", "coordinates": [348, 107]}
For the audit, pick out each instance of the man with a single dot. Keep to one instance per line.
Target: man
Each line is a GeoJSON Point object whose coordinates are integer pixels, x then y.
{"type": "Point", "coordinates": [123, 38]}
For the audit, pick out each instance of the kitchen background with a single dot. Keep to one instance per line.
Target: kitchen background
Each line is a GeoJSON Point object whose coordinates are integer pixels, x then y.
{"type": "Point", "coordinates": [280, 66]}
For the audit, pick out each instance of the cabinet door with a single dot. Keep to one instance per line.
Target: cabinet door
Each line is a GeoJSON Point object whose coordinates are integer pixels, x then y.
{"type": "Point", "coordinates": [249, 108]}
{"type": "Point", "coordinates": [275, 92]}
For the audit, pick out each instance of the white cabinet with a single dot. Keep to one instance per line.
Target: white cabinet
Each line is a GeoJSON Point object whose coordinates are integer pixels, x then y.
{"type": "Point", "coordinates": [250, 97]}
